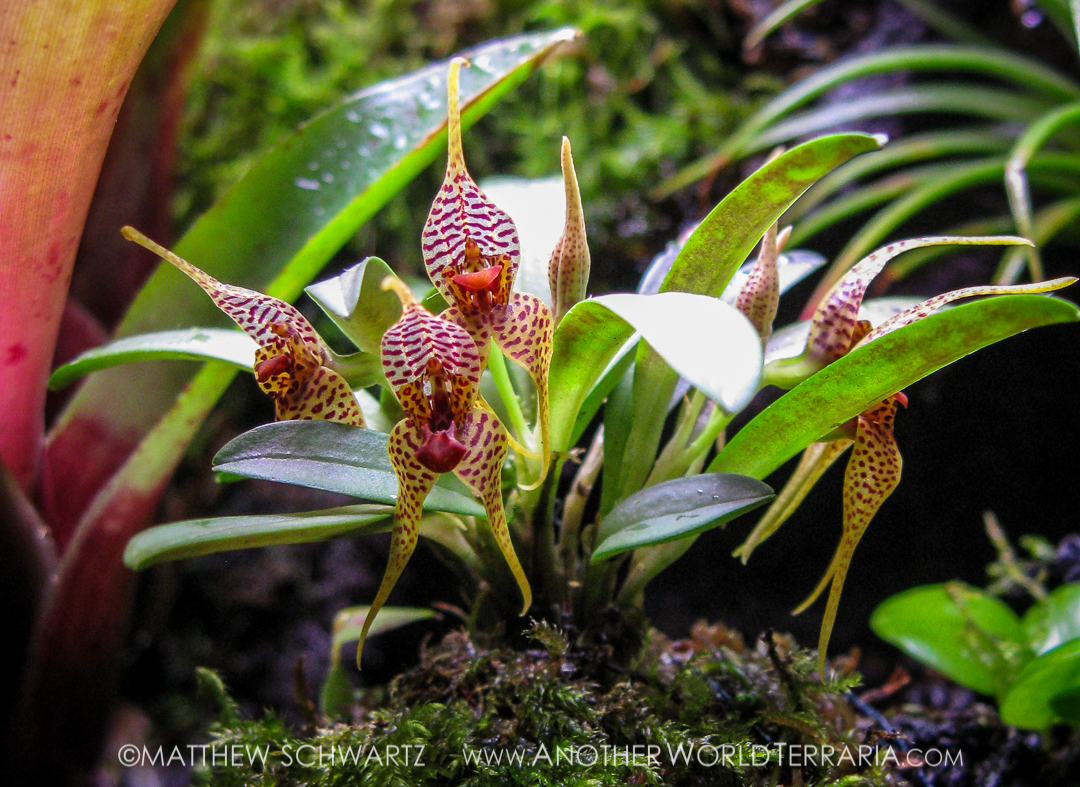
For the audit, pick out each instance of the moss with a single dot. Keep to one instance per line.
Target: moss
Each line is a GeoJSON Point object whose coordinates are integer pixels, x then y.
{"type": "Point", "coordinates": [547, 713]}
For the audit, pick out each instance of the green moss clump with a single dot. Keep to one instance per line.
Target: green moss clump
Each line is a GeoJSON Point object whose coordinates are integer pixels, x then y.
{"type": "Point", "coordinates": [682, 713]}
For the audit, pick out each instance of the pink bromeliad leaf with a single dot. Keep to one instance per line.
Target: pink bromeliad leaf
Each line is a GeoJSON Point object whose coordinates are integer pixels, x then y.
{"type": "Point", "coordinates": [433, 367]}
{"type": "Point", "coordinates": [471, 251]}
{"type": "Point", "coordinates": [290, 363]}
{"type": "Point", "coordinates": [873, 471]}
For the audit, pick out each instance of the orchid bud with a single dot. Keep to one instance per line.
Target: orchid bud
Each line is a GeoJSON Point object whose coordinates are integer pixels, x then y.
{"type": "Point", "coordinates": [568, 268]}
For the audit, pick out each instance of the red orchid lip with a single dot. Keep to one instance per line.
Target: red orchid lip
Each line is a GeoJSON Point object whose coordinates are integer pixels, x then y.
{"type": "Point", "coordinates": [441, 451]}
{"type": "Point", "coordinates": [278, 364]}
{"type": "Point", "coordinates": [478, 281]}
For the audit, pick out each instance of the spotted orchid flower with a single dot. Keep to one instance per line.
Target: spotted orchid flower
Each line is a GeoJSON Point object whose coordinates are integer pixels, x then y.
{"type": "Point", "coordinates": [433, 368]}
{"type": "Point", "coordinates": [471, 251]}
{"type": "Point", "coordinates": [291, 361]}
{"type": "Point", "coordinates": [873, 471]}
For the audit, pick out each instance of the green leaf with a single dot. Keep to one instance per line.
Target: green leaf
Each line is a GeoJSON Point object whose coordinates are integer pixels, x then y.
{"type": "Point", "coordinates": [707, 262]}
{"type": "Point", "coordinates": [675, 509]}
{"type": "Point", "coordinates": [879, 369]}
{"type": "Point", "coordinates": [1066, 705]}
{"type": "Point", "coordinates": [1044, 687]}
{"type": "Point", "coordinates": [333, 457]}
{"type": "Point", "coordinates": [724, 364]}
{"type": "Point", "coordinates": [1055, 620]}
{"type": "Point", "coordinates": [962, 632]}
{"type": "Point", "coordinates": [348, 623]}
{"type": "Point", "coordinates": [614, 372]}
{"type": "Point", "coordinates": [1032, 76]}
{"type": "Point", "coordinates": [192, 537]}
{"type": "Point", "coordinates": [725, 238]}
{"type": "Point", "coordinates": [190, 344]}
{"type": "Point", "coordinates": [357, 304]}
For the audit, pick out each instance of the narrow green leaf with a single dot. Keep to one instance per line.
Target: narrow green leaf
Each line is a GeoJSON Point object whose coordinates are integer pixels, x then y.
{"type": "Point", "coordinates": [675, 509]}
{"type": "Point", "coordinates": [333, 457]}
{"type": "Point", "coordinates": [958, 630]}
{"type": "Point", "coordinates": [1055, 675]}
{"type": "Point", "coordinates": [780, 15]}
{"type": "Point", "coordinates": [1055, 620]}
{"type": "Point", "coordinates": [357, 304]}
{"type": "Point", "coordinates": [952, 99]}
{"type": "Point", "coordinates": [189, 344]}
{"type": "Point", "coordinates": [725, 238]}
{"type": "Point", "coordinates": [192, 537]}
{"type": "Point", "coordinates": [618, 415]}
{"type": "Point", "coordinates": [1026, 73]}
{"type": "Point", "coordinates": [879, 369]}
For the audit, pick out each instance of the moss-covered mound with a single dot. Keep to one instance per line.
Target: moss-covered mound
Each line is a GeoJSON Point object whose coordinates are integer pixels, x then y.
{"type": "Point", "coordinates": [707, 710]}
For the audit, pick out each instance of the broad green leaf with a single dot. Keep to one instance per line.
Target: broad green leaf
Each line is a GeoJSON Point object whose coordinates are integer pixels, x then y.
{"type": "Point", "coordinates": [333, 457]}
{"type": "Point", "coordinates": [192, 537]}
{"type": "Point", "coordinates": [703, 339]}
{"type": "Point", "coordinates": [189, 344]}
{"type": "Point", "coordinates": [1055, 620]}
{"type": "Point", "coordinates": [356, 302]}
{"type": "Point", "coordinates": [1052, 679]}
{"type": "Point", "coordinates": [879, 369]}
{"type": "Point", "coordinates": [962, 632]}
{"type": "Point", "coordinates": [618, 415]}
{"type": "Point", "coordinates": [1066, 704]}
{"type": "Point", "coordinates": [675, 509]}
{"type": "Point", "coordinates": [707, 262]}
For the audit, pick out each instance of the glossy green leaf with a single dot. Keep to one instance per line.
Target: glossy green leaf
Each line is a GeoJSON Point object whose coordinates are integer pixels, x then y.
{"type": "Point", "coordinates": [333, 457]}
{"type": "Point", "coordinates": [725, 237]}
{"type": "Point", "coordinates": [725, 364]}
{"type": "Point", "coordinates": [357, 304]}
{"type": "Point", "coordinates": [610, 377]}
{"type": "Point", "coordinates": [962, 632]}
{"type": "Point", "coordinates": [676, 509]}
{"type": "Point", "coordinates": [1055, 620]}
{"type": "Point", "coordinates": [189, 344]}
{"type": "Point", "coordinates": [879, 369]}
{"type": "Point", "coordinates": [1050, 680]}
{"type": "Point", "coordinates": [706, 263]}
{"type": "Point", "coordinates": [192, 537]}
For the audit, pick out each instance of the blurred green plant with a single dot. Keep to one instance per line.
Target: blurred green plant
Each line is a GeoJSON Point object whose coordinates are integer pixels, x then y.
{"type": "Point", "coordinates": [1008, 118]}
{"type": "Point", "coordinates": [650, 86]}
{"type": "Point", "coordinates": [1029, 663]}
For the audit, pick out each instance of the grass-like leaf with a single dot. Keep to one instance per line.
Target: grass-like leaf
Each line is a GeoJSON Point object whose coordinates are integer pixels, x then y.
{"type": "Point", "coordinates": [193, 537]}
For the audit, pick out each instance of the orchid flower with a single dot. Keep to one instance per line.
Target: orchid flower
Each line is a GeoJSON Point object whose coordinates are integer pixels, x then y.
{"type": "Point", "coordinates": [291, 362]}
{"type": "Point", "coordinates": [873, 471]}
{"type": "Point", "coordinates": [569, 265]}
{"type": "Point", "coordinates": [471, 251]}
{"type": "Point", "coordinates": [433, 368]}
